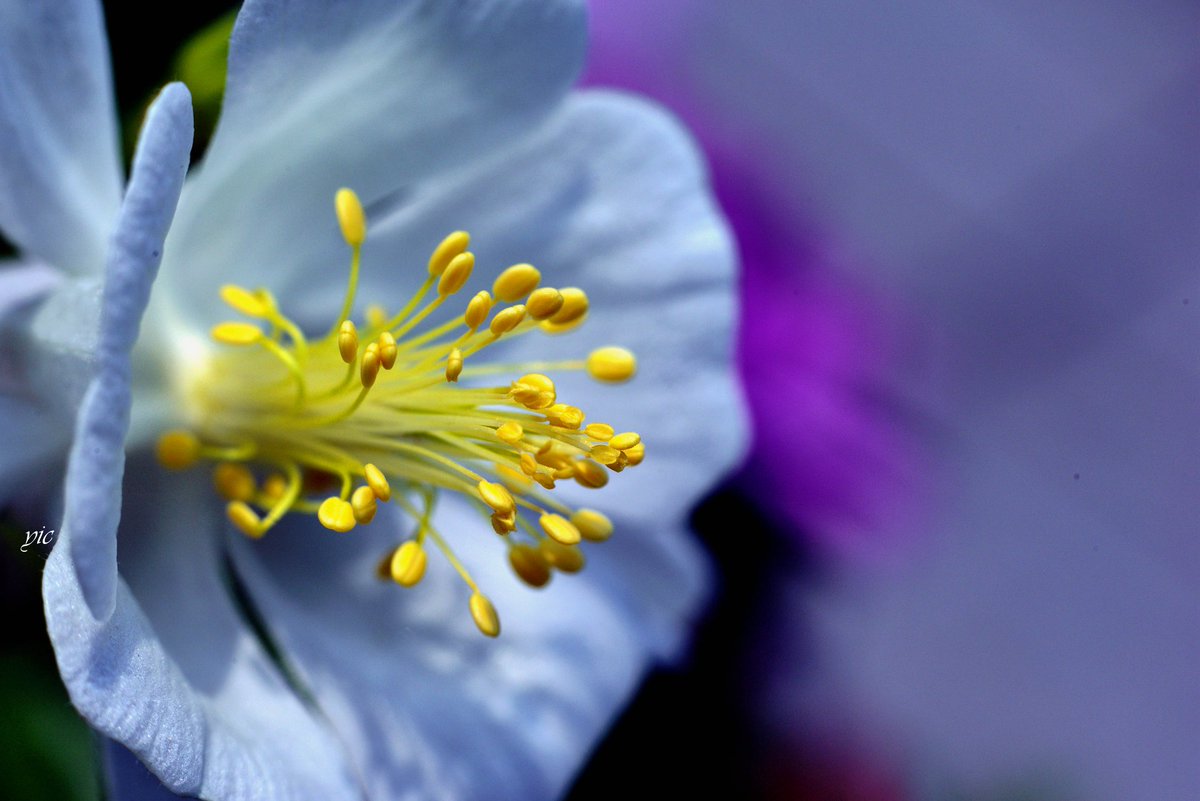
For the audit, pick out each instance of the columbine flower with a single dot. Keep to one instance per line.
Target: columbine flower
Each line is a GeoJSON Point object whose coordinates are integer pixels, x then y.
{"type": "Point", "coordinates": [289, 663]}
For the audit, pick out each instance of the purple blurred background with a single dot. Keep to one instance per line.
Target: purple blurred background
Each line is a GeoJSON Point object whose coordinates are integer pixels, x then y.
{"type": "Point", "coordinates": [971, 343]}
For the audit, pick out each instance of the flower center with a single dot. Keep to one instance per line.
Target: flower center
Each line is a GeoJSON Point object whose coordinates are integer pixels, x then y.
{"type": "Point", "coordinates": [375, 414]}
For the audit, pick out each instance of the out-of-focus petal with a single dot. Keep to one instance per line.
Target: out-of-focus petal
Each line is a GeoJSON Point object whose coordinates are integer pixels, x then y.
{"type": "Point", "coordinates": [97, 458]}
{"type": "Point", "coordinates": [58, 136]}
{"type": "Point", "coordinates": [383, 97]}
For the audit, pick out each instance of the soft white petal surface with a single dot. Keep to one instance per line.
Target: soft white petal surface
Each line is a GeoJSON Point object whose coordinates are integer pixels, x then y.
{"type": "Point", "coordinates": [381, 96]}
{"type": "Point", "coordinates": [59, 164]}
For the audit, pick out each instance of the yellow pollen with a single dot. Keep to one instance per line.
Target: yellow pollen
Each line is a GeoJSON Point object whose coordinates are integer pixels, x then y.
{"type": "Point", "coordinates": [594, 526]}
{"type": "Point", "coordinates": [496, 496]}
{"type": "Point", "coordinates": [573, 309]}
{"type": "Point", "coordinates": [350, 217]}
{"type": "Point", "coordinates": [601, 431]}
{"type": "Point", "coordinates": [516, 282]}
{"type": "Point", "coordinates": [336, 515]}
{"type": "Point", "coordinates": [368, 369]}
{"type": "Point", "coordinates": [234, 482]}
{"type": "Point", "coordinates": [362, 503]}
{"type": "Point", "coordinates": [456, 274]}
{"type": "Point", "coordinates": [178, 450]}
{"type": "Point", "coordinates": [611, 365]}
{"type": "Point", "coordinates": [245, 301]}
{"type": "Point", "coordinates": [561, 529]}
{"type": "Point", "coordinates": [387, 350]}
{"type": "Point", "coordinates": [408, 564]}
{"type": "Point", "coordinates": [454, 365]}
{"type": "Point", "coordinates": [624, 442]}
{"type": "Point", "coordinates": [506, 320]}
{"type": "Point", "coordinates": [377, 482]}
{"type": "Point", "coordinates": [236, 333]}
{"type": "Point", "coordinates": [534, 391]}
{"type": "Point", "coordinates": [564, 558]}
{"type": "Point", "coordinates": [477, 310]}
{"type": "Point", "coordinates": [453, 245]}
{"type": "Point", "coordinates": [510, 432]}
{"type": "Point", "coordinates": [530, 565]}
{"type": "Point", "coordinates": [402, 409]}
{"type": "Point", "coordinates": [543, 303]}
{"type": "Point", "coordinates": [348, 341]}
{"type": "Point", "coordinates": [484, 615]}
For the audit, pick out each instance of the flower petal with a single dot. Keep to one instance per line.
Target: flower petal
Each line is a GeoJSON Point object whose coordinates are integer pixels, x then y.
{"type": "Point", "coordinates": [174, 674]}
{"type": "Point", "coordinates": [383, 97]}
{"type": "Point", "coordinates": [97, 458]}
{"type": "Point", "coordinates": [427, 706]}
{"type": "Point", "coordinates": [58, 136]}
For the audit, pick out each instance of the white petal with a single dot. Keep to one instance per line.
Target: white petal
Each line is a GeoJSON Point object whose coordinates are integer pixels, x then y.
{"type": "Point", "coordinates": [58, 136]}
{"type": "Point", "coordinates": [175, 674]}
{"type": "Point", "coordinates": [382, 96]}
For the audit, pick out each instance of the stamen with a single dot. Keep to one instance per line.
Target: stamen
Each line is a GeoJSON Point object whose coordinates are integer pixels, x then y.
{"type": "Point", "coordinates": [387, 420]}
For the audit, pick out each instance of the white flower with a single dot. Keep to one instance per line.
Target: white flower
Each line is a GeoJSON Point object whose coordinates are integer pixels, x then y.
{"type": "Point", "coordinates": [442, 116]}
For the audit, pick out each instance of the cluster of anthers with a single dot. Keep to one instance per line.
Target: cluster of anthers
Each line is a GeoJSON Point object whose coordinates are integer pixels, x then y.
{"type": "Point", "coordinates": [371, 415]}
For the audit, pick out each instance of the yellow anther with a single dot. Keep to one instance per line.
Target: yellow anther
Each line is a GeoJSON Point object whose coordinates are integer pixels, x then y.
{"type": "Point", "coordinates": [478, 309]}
{"type": "Point", "coordinates": [456, 273]}
{"type": "Point", "coordinates": [236, 333]}
{"type": "Point", "coordinates": [555, 329]}
{"type": "Point", "coordinates": [516, 282]}
{"type": "Point", "coordinates": [274, 486]}
{"type": "Point", "coordinates": [447, 249]}
{"type": "Point", "coordinates": [245, 301]}
{"type": "Point", "coordinates": [234, 482]}
{"type": "Point", "coordinates": [336, 514]}
{"type": "Point", "coordinates": [601, 431]}
{"type": "Point", "coordinates": [551, 456]}
{"type": "Point", "coordinates": [611, 365]}
{"type": "Point", "coordinates": [534, 391]}
{"type": "Point", "coordinates": [362, 502]}
{"type": "Point", "coordinates": [348, 341]}
{"type": "Point", "coordinates": [504, 524]}
{"type": "Point", "coordinates": [376, 316]}
{"type": "Point", "coordinates": [387, 350]}
{"type": "Point", "coordinates": [621, 462]}
{"type": "Point", "coordinates": [244, 518]}
{"type": "Point", "coordinates": [635, 455]}
{"type": "Point", "coordinates": [516, 481]}
{"type": "Point", "coordinates": [605, 454]}
{"type": "Point", "coordinates": [564, 472]}
{"type": "Point", "coordinates": [510, 432]}
{"type": "Point", "coordinates": [575, 306]}
{"type": "Point", "coordinates": [624, 442]}
{"type": "Point", "coordinates": [350, 217]}
{"type": "Point", "coordinates": [545, 479]}
{"type": "Point", "coordinates": [377, 482]}
{"type": "Point", "coordinates": [560, 528]}
{"type": "Point", "coordinates": [565, 558]}
{"type": "Point", "coordinates": [484, 615]}
{"type": "Point", "coordinates": [454, 365]}
{"type": "Point", "coordinates": [368, 369]}
{"type": "Point", "coordinates": [530, 565]}
{"type": "Point", "coordinates": [496, 496]}
{"type": "Point", "coordinates": [590, 474]}
{"type": "Point", "coordinates": [564, 416]}
{"type": "Point", "coordinates": [529, 465]}
{"type": "Point", "coordinates": [543, 303]}
{"type": "Point", "coordinates": [593, 525]}
{"type": "Point", "coordinates": [178, 450]}
{"type": "Point", "coordinates": [408, 564]}
{"type": "Point", "coordinates": [507, 319]}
